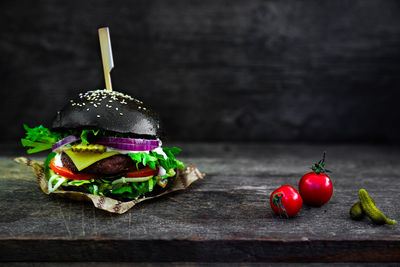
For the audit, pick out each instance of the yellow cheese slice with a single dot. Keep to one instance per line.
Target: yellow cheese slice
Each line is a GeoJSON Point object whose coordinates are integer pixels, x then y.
{"type": "Point", "coordinates": [85, 159]}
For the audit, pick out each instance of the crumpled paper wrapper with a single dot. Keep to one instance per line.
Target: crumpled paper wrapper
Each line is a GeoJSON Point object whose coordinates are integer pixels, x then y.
{"type": "Point", "coordinates": [183, 179]}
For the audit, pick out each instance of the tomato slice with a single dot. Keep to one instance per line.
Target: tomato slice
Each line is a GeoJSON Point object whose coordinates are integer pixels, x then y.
{"type": "Point", "coordinates": [67, 173]}
{"type": "Point", "coordinates": [142, 172]}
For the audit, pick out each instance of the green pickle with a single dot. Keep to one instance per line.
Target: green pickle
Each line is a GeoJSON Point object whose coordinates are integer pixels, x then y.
{"type": "Point", "coordinates": [88, 148]}
{"type": "Point", "coordinates": [371, 210]}
{"type": "Point", "coordinates": [356, 211]}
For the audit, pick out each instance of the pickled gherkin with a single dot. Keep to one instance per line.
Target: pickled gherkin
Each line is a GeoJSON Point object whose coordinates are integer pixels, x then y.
{"type": "Point", "coordinates": [371, 210]}
{"type": "Point", "coordinates": [356, 211]}
{"type": "Point", "coordinates": [88, 148]}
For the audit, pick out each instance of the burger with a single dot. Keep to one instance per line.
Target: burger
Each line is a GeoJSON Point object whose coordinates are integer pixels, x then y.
{"type": "Point", "coordinates": [105, 143]}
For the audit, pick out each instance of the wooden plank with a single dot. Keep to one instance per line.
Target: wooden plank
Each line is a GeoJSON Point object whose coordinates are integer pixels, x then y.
{"type": "Point", "coordinates": [224, 217]}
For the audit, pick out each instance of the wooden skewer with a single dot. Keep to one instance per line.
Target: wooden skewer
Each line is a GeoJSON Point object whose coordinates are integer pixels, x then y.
{"type": "Point", "coordinates": [106, 55]}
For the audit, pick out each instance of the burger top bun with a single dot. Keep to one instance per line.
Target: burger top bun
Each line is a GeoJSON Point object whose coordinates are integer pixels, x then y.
{"type": "Point", "coordinates": [108, 110]}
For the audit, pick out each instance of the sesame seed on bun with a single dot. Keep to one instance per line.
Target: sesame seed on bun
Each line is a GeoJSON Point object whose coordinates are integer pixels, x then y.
{"type": "Point", "coordinates": [108, 110]}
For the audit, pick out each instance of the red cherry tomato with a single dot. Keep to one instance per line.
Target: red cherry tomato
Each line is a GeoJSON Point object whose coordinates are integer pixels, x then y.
{"type": "Point", "coordinates": [316, 189]}
{"type": "Point", "coordinates": [286, 201]}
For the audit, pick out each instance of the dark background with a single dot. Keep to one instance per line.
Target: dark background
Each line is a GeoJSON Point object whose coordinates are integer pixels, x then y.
{"type": "Point", "coordinates": [215, 70]}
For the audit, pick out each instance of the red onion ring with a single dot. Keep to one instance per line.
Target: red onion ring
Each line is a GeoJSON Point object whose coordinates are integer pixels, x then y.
{"type": "Point", "coordinates": [121, 140]}
{"type": "Point", "coordinates": [67, 140]}
{"type": "Point", "coordinates": [129, 147]}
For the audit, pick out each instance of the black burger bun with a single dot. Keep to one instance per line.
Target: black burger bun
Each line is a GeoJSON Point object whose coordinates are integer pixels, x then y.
{"type": "Point", "coordinates": [111, 111]}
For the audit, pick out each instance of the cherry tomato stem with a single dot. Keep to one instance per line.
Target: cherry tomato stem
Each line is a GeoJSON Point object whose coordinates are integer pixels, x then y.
{"type": "Point", "coordinates": [286, 200]}
{"type": "Point", "coordinates": [276, 200]}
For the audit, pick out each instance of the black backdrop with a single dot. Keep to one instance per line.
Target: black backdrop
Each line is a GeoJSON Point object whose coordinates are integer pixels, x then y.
{"type": "Point", "coordinates": [215, 70]}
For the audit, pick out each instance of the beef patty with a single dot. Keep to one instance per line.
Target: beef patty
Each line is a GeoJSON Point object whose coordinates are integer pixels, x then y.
{"type": "Point", "coordinates": [112, 165]}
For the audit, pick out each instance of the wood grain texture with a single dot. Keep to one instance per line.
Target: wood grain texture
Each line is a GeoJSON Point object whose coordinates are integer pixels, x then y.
{"type": "Point", "coordinates": [215, 70]}
{"type": "Point", "coordinates": [224, 217]}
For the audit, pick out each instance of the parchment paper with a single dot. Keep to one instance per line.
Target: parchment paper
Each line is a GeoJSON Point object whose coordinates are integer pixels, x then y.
{"type": "Point", "coordinates": [183, 179]}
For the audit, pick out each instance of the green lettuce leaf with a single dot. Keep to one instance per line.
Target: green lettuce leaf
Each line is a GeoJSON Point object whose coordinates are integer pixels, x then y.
{"type": "Point", "coordinates": [40, 138]}
{"type": "Point", "coordinates": [86, 133]}
{"type": "Point", "coordinates": [152, 159]}
{"type": "Point", "coordinates": [122, 188]}
{"type": "Point", "coordinates": [133, 190]}
{"type": "Point", "coordinates": [49, 157]}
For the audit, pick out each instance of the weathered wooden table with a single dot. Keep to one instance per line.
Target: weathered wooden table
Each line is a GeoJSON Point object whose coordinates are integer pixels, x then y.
{"type": "Point", "coordinates": [225, 217]}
